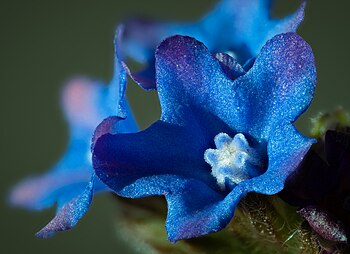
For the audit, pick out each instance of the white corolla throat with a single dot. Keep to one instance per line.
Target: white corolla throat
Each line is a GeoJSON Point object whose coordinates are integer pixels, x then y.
{"type": "Point", "coordinates": [233, 160]}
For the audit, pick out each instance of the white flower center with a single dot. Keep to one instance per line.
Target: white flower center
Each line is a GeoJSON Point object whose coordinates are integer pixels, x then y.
{"type": "Point", "coordinates": [233, 160]}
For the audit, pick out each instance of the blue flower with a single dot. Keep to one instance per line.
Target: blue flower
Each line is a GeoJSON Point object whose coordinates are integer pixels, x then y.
{"type": "Point", "coordinates": [219, 136]}
{"type": "Point", "coordinates": [237, 27]}
{"type": "Point", "coordinates": [71, 182]}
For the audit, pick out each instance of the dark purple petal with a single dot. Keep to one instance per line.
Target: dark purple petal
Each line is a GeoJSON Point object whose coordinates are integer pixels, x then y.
{"type": "Point", "coordinates": [110, 125]}
{"type": "Point", "coordinates": [324, 224]}
{"type": "Point", "coordinates": [337, 148]}
{"type": "Point", "coordinates": [310, 183]}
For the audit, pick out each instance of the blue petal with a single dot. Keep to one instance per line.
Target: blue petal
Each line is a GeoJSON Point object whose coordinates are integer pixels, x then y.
{"type": "Point", "coordinates": [40, 192]}
{"type": "Point", "coordinates": [79, 99]}
{"type": "Point", "coordinates": [275, 91]}
{"type": "Point", "coordinates": [116, 99]}
{"type": "Point", "coordinates": [68, 215]}
{"type": "Point", "coordinates": [133, 166]}
{"type": "Point", "coordinates": [282, 82]}
{"type": "Point", "coordinates": [162, 149]}
{"type": "Point", "coordinates": [67, 179]}
{"type": "Point", "coordinates": [85, 104]}
{"type": "Point", "coordinates": [129, 166]}
{"type": "Point", "coordinates": [194, 208]}
{"type": "Point", "coordinates": [241, 27]}
{"type": "Point", "coordinates": [156, 162]}
{"type": "Point", "coordinates": [286, 148]}
{"type": "Point", "coordinates": [249, 25]}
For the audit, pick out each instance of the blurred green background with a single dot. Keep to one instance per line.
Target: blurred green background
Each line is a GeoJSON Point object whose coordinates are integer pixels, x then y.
{"type": "Point", "coordinates": [45, 42]}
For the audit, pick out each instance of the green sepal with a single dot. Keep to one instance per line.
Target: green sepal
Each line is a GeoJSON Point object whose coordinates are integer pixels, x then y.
{"type": "Point", "coordinates": [336, 120]}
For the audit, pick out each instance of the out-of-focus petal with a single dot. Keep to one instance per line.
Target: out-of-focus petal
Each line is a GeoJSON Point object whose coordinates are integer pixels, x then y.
{"type": "Point", "coordinates": [85, 103]}
{"type": "Point", "coordinates": [70, 213]}
{"type": "Point", "coordinates": [239, 27]}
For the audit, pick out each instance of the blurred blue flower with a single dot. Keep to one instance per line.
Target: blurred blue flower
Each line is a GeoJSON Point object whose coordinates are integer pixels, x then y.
{"type": "Point", "coordinates": [237, 27]}
{"type": "Point", "coordinates": [223, 132]}
{"type": "Point", "coordinates": [71, 182]}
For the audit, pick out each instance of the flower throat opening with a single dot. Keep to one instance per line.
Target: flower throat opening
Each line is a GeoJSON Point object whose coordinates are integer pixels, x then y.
{"type": "Point", "coordinates": [233, 160]}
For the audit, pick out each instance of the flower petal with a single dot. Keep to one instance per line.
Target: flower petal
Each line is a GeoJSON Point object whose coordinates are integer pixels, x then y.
{"type": "Point", "coordinates": [195, 210]}
{"type": "Point", "coordinates": [338, 149]}
{"type": "Point", "coordinates": [199, 101]}
{"type": "Point", "coordinates": [144, 78]}
{"type": "Point", "coordinates": [85, 103]}
{"type": "Point", "coordinates": [282, 83]}
{"type": "Point", "coordinates": [147, 164]}
{"type": "Point", "coordinates": [68, 215]}
{"type": "Point", "coordinates": [42, 192]}
{"type": "Point", "coordinates": [80, 98]}
{"type": "Point", "coordinates": [310, 183]}
{"type": "Point", "coordinates": [286, 149]}
{"type": "Point", "coordinates": [275, 91]}
{"type": "Point", "coordinates": [324, 224]}
{"type": "Point", "coordinates": [66, 180]}
{"type": "Point", "coordinates": [165, 160]}
{"type": "Point", "coordinates": [162, 149]}
{"type": "Point", "coordinates": [187, 76]}
{"type": "Point", "coordinates": [228, 28]}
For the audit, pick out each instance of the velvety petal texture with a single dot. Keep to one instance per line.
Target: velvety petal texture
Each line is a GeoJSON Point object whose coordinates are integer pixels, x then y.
{"type": "Point", "coordinates": [238, 27]}
{"type": "Point", "coordinates": [323, 223]}
{"type": "Point", "coordinates": [70, 213]}
{"type": "Point", "coordinates": [68, 184]}
{"type": "Point", "coordinates": [200, 99]}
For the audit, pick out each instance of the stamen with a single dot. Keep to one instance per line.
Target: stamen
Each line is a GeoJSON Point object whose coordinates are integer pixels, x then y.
{"type": "Point", "coordinates": [233, 160]}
